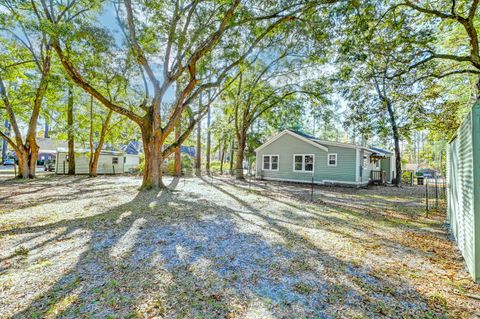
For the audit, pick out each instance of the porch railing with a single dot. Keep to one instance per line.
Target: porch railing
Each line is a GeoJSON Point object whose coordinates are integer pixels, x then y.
{"type": "Point", "coordinates": [378, 177]}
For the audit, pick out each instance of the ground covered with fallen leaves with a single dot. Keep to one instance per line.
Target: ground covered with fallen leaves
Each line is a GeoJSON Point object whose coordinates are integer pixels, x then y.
{"type": "Point", "coordinates": [76, 247]}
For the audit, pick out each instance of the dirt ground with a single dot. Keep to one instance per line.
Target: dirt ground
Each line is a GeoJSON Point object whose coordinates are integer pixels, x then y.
{"type": "Point", "coordinates": [75, 247]}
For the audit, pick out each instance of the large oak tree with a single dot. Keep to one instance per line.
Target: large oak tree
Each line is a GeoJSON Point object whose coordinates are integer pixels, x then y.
{"type": "Point", "coordinates": [196, 42]}
{"type": "Point", "coordinates": [25, 67]}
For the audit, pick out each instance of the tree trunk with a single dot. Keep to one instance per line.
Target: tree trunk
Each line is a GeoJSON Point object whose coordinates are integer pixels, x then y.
{"type": "Point", "coordinates": [32, 157]}
{"type": "Point", "coordinates": [46, 132]}
{"type": "Point", "coordinates": [242, 139]}
{"type": "Point", "coordinates": [178, 155]}
{"type": "Point", "coordinates": [27, 156]}
{"type": "Point", "coordinates": [5, 143]}
{"type": "Point", "coordinates": [71, 138]}
{"type": "Point", "coordinates": [396, 140]}
{"type": "Point", "coordinates": [209, 143]}
{"type": "Point", "coordinates": [398, 162]}
{"type": "Point", "coordinates": [93, 164]}
{"type": "Point", "coordinates": [231, 157]}
{"type": "Point", "coordinates": [198, 157]}
{"type": "Point", "coordinates": [152, 144]}
{"type": "Point", "coordinates": [94, 156]}
{"type": "Point", "coordinates": [23, 166]}
{"type": "Point", "coordinates": [222, 156]}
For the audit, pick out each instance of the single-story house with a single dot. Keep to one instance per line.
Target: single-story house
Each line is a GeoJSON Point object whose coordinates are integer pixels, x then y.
{"type": "Point", "coordinates": [297, 157]}
{"type": "Point", "coordinates": [109, 162]}
{"type": "Point", "coordinates": [132, 156]}
{"type": "Point", "coordinates": [131, 163]}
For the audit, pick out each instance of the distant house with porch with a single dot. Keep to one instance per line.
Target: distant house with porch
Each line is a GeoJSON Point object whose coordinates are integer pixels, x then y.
{"type": "Point", "coordinates": [297, 157]}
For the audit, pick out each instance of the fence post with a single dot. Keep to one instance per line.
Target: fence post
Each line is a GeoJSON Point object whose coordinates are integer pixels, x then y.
{"type": "Point", "coordinates": [436, 192]}
{"type": "Point", "coordinates": [426, 196]}
{"type": "Point", "coordinates": [411, 179]}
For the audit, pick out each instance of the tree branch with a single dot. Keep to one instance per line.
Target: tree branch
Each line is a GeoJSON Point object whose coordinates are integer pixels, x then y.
{"type": "Point", "coordinates": [443, 75]}
{"type": "Point", "coordinates": [437, 13]}
{"type": "Point", "coordinates": [76, 77]}
{"type": "Point", "coordinates": [9, 140]}
{"type": "Point", "coordinates": [137, 49]}
{"type": "Point", "coordinates": [11, 114]}
{"type": "Point", "coordinates": [473, 10]}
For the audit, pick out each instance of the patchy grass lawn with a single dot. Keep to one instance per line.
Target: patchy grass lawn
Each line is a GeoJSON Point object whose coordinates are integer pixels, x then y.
{"type": "Point", "coordinates": [74, 247]}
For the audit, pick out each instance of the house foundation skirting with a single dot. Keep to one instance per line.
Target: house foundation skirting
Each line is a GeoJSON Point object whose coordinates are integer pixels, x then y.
{"type": "Point", "coordinates": [323, 182]}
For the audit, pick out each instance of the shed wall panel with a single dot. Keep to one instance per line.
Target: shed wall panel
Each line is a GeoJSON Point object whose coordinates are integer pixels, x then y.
{"type": "Point", "coordinates": [462, 174]}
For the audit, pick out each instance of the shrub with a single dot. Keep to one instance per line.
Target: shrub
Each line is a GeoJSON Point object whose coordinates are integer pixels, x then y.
{"type": "Point", "coordinates": [21, 251]}
{"type": "Point", "coordinates": [406, 175]}
{"type": "Point", "coordinates": [141, 165]}
{"type": "Point", "coordinates": [187, 165]}
{"type": "Point", "coordinates": [215, 166]}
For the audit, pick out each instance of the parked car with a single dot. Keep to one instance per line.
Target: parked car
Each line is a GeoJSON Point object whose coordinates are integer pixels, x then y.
{"type": "Point", "coordinates": [49, 165]}
{"type": "Point", "coordinates": [427, 172]}
{"type": "Point", "coordinates": [9, 161]}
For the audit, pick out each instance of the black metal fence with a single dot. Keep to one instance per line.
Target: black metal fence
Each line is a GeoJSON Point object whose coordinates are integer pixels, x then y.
{"type": "Point", "coordinates": [435, 194]}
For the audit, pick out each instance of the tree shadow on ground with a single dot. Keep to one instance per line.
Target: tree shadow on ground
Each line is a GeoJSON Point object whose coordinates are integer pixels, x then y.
{"type": "Point", "coordinates": [390, 213]}
{"type": "Point", "coordinates": [188, 254]}
{"type": "Point", "coordinates": [379, 228]}
{"type": "Point", "coordinates": [50, 189]}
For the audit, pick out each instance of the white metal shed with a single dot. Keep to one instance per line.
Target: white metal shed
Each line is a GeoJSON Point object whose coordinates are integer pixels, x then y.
{"type": "Point", "coordinates": [109, 162]}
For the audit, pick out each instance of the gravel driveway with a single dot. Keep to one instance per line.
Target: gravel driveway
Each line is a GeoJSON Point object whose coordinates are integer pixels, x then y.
{"type": "Point", "coordinates": [76, 247]}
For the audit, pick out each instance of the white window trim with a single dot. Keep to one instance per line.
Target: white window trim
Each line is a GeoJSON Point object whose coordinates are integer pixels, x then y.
{"type": "Point", "coordinates": [270, 169]}
{"type": "Point", "coordinates": [303, 163]}
{"type": "Point", "coordinates": [365, 165]}
{"type": "Point", "coordinates": [328, 159]}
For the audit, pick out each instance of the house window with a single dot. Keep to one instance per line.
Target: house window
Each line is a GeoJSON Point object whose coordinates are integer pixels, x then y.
{"type": "Point", "coordinates": [303, 163]}
{"type": "Point", "coordinates": [365, 161]}
{"type": "Point", "coordinates": [114, 160]}
{"type": "Point", "coordinates": [270, 162]}
{"type": "Point", "coordinates": [332, 159]}
{"type": "Point", "coordinates": [274, 163]}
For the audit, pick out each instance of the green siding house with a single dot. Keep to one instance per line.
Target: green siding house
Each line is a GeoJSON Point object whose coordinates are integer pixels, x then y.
{"type": "Point", "coordinates": [463, 190]}
{"type": "Point", "coordinates": [296, 157]}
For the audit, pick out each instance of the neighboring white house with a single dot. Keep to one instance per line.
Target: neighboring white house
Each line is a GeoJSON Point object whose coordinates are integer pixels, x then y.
{"type": "Point", "coordinates": [132, 156]}
{"type": "Point", "coordinates": [132, 162]}
{"type": "Point", "coordinates": [109, 162]}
